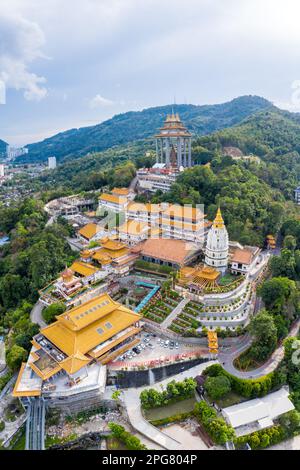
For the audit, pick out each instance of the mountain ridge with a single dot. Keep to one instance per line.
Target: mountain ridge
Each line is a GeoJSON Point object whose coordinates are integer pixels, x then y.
{"type": "Point", "coordinates": [138, 125]}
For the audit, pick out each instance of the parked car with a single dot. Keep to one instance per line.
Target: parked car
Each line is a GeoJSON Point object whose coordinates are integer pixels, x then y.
{"type": "Point", "coordinates": [177, 345]}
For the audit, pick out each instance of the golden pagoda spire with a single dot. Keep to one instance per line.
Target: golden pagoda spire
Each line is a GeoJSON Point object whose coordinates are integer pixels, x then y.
{"type": "Point", "coordinates": [218, 222]}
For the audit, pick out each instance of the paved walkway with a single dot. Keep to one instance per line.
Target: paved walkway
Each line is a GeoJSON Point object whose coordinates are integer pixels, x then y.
{"type": "Point", "coordinates": [131, 398]}
{"type": "Point", "coordinates": [227, 358]}
{"type": "Point", "coordinates": [177, 310]}
{"type": "Point", "coordinates": [36, 315]}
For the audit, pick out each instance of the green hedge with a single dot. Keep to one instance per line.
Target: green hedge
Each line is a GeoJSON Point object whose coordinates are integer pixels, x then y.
{"type": "Point", "coordinates": [131, 442]}
{"type": "Point", "coordinates": [248, 388]}
{"type": "Point", "coordinates": [175, 391]}
{"type": "Point", "coordinates": [172, 419]}
{"type": "Point", "coordinates": [263, 438]}
{"type": "Point", "coordinates": [217, 428]}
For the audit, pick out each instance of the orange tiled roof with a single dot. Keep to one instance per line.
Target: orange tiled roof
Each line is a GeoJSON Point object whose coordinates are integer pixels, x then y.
{"type": "Point", "coordinates": [111, 198]}
{"type": "Point", "coordinates": [120, 191]}
{"type": "Point", "coordinates": [89, 231]}
{"type": "Point", "coordinates": [244, 255]}
{"type": "Point", "coordinates": [172, 250]}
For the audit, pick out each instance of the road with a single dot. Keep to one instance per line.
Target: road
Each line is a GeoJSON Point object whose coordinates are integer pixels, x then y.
{"type": "Point", "coordinates": [227, 358]}
{"type": "Point", "coordinates": [35, 426]}
{"type": "Point", "coordinates": [36, 315]}
{"type": "Point", "coordinates": [133, 184]}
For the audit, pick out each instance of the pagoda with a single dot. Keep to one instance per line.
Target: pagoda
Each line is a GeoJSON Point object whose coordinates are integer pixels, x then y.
{"type": "Point", "coordinates": [174, 141]}
{"type": "Point", "coordinates": [217, 244]}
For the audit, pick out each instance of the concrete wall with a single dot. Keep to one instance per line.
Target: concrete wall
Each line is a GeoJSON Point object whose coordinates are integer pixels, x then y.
{"type": "Point", "coordinates": [139, 378]}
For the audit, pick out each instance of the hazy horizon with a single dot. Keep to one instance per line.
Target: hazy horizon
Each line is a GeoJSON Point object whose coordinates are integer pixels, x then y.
{"type": "Point", "coordinates": [110, 56]}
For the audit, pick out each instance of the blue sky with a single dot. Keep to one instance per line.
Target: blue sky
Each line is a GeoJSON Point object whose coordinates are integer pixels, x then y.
{"type": "Point", "coordinates": [73, 63]}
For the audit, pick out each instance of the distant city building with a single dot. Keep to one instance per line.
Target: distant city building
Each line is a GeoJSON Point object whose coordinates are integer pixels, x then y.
{"type": "Point", "coordinates": [2, 170]}
{"type": "Point", "coordinates": [217, 244]}
{"type": "Point", "coordinates": [297, 195]}
{"type": "Point", "coordinates": [14, 152]}
{"type": "Point", "coordinates": [51, 163]}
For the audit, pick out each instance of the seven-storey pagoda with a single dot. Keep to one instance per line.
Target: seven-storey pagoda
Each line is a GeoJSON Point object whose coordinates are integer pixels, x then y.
{"type": "Point", "coordinates": [216, 251]}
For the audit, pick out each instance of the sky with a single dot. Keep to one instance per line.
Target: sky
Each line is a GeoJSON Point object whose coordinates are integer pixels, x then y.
{"type": "Point", "coordinates": [71, 63]}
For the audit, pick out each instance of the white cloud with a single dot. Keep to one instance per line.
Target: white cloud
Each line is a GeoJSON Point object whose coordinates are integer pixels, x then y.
{"type": "Point", "coordinates": [21, 44]}
{"type": "Point", "coordinates": [99, 101]}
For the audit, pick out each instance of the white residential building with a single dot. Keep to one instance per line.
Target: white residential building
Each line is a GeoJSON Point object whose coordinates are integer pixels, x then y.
{"type": "Point", "coordinates": [110, 202]}
{"type": "Point", "coordinates": [258, 414]}
{"type": "Point", "coordinates": [51, 163]}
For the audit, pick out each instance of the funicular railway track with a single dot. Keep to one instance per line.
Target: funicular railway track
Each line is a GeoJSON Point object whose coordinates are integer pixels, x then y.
{"type": "Point", "coordinates": [35, 426]}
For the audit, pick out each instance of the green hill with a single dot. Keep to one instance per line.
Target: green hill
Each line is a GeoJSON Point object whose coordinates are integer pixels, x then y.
{"type": "Point", "coordinates": [133, 126]}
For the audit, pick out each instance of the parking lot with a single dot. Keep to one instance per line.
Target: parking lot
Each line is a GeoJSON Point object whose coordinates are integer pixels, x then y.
{"type": "Point", "coordinates": [153, 350]}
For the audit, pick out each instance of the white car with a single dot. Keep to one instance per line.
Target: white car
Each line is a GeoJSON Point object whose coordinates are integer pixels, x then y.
{"type": "Point", "coordinates": [143, 346]}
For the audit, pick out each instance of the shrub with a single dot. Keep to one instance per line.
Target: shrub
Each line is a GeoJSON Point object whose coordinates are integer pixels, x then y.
{"type": "Point", "coordinates": [217, 387]}
{"type": "Point", "coordinates": [217, 428]}
{"type": "Point", "coordinates": [263, 438]}
{"type": "Point", "coordinates": [175, 391]}
{"type": "Point", "coordinates": [248, 388]}
{"type": "Point", "coordinates": [130, 441]}
{"type": "Point", "coordinates": [49, 313]}
{"type": "Point", "coordinates": [172, 419]}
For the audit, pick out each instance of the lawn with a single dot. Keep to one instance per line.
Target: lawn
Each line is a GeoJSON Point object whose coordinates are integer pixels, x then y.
{"type": "Point", "coordinates": [19, 443]}
{"type": "Point", "coordinates": [246, 363]}
{"type": "Point", "coordinates": [229, 399]}
{"type": "Point", "coordinates": [227, 279]}
{"type": "Point", "coordinates": [162, 412]}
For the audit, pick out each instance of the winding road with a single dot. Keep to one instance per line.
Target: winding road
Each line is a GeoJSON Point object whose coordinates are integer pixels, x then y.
{"type": "Point", "coordinates": [227, 358]}
{"type": "Point", "coordinates": [36, 315]}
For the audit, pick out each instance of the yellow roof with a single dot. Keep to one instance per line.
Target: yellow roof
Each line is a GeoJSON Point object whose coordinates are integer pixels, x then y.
{"type": "Point", "coordinates": [102, 257]}
{"type": "Point", "coordinates": [111, 198]}
{"type": "Point", "coordinates": [218, 222]}
{"type": "Point", "coordinates": [86, 254]}
{"type": "Point", "coordinates": [89, 231]}
{"type": "Point", "coordinates": [207, 272]}
{"type": "Point", "coordinates": [183, 212]}
{"type": "Point", "coordinates": [112, 245]}
{"type": "Point", "coordinates": [120, 191]}
{"type": "Point", "coordinates": [25, 392]}
{"type": "Point", "coordinates": [83, 315]}
{"type": "Point", "coordinates": [87, 326]}
{"type": "Point", "coordinates": [74, 363]}
{"type": "Point", "coordinates": [85, 269]}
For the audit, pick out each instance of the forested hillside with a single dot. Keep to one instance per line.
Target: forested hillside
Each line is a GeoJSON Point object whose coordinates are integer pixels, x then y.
{"type": "Point", "coordinates": [133, 126]}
